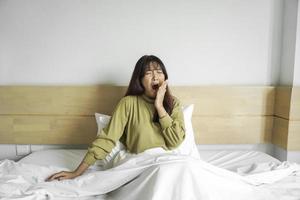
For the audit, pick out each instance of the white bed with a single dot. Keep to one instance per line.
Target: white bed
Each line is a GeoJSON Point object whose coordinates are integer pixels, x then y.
{"type": "Point", "coordinates": [227, 159]}
{"type": "Point", "coordinates": [286, 187]}
{"type": "Point", "coordinates": [155, 174]}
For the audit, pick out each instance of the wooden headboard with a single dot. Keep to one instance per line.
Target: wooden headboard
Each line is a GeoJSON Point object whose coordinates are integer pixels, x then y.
{"type": "Point", "coordinates": [65, 114]}
{"type": "Point", "coordinates": [286, 129]}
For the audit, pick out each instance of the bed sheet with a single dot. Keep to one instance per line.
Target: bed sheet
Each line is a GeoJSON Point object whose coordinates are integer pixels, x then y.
{"type": "Point", "coordinates": [71, 158]}
{"type": "Point", "coordinates": [160, 176]}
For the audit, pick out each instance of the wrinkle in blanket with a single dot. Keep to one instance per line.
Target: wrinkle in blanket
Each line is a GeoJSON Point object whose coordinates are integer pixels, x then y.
{"type": "Point", "coordinates": [155, 176]}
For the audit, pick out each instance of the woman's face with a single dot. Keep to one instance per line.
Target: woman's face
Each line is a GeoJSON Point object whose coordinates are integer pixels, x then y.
{"type": "Point", "coordinates": [152, 79]}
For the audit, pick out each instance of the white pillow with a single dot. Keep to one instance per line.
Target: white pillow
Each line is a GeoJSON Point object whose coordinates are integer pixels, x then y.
{"type": "Point", "coordinates": [102, 122]}
{"type": "Point", "coordinates": [188, 146]}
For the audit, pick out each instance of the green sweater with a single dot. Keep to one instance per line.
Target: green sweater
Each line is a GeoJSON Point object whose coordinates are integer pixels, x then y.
{"type": "Point", "coordinates": [132, 124]}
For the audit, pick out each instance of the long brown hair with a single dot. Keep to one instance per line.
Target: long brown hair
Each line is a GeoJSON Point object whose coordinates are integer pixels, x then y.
{"type": "Point", "coordinates": [136, 87]}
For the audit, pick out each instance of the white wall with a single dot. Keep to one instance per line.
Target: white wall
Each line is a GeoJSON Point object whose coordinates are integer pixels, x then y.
{"type": "Point", "coordinates": [290, 8]}
{"type": "Point", "coordinates": [290, 61]}
{"type": "Point", "coordinates": [202, 42]}
{"type": "Point", "coordinates": [297, 52]}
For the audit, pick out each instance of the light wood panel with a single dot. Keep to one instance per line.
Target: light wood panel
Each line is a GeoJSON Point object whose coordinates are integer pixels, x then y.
{"type": "Point", "coordinates": [230, 114]}
{"type": "Point", "coordinates": [280, 132]}
{"type": "Point", "coordinates": [233, 130]}
{"type": "Point", "coordinates": [82, 130]}
{"type": "Point", "coordinates": [59, 100]}
{"type": "Point", "coordinates": [281, 116]}
{"type": "Point", "coordinates": [295, 104]}
{"type": "Point", "coordinates": [294, 124]}
{"type": "Point", "coordinates": [28, 129]}
{"type": "Point", "coordinates": [65, 114]}
{"type": "Point", "coordinates": [283, 102]}
{"type": "Point", "coordinates": [228, 100]}
{"type": "Point", "coordinates": [83, 100]}
{"type": "Point", "coordinates": [294, 136]}
{"type": "Point", "coordinates": [286, 132]}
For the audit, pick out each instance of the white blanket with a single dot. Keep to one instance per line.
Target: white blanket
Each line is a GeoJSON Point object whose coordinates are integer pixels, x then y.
{"type": "Point", "coordinates": [150, 175]}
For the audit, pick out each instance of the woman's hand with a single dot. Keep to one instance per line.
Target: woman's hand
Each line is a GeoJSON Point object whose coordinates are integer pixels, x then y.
{"type": "Point", "coordinates": [69, 175]}
{"type": "Point", "coordinates": [62, 176]}
{"type": "Point", "coordinates": [158, 103]}
{"type": "Point", "coordinates": [160, 95]}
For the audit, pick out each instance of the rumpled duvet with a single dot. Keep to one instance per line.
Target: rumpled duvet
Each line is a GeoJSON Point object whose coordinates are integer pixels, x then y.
{"type": "Point", "coordinates": [154, 175]}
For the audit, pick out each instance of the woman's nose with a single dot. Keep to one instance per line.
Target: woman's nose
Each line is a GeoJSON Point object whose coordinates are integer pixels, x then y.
{"type": "Point", "coordinates": [155, 76]}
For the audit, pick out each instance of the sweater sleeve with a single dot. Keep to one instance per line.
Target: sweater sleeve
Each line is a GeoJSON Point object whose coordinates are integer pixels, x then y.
{"type": "Point", "coordinates": [106, 140]}
{"type": "Point", "coordinates": [173, 126]}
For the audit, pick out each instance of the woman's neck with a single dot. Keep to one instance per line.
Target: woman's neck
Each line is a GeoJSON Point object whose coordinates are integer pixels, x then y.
{"type": "Point", "coordinates": [148, 99]}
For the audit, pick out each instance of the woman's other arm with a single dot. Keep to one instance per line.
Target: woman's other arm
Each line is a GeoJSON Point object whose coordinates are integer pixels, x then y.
{"type": "Point", "coordinates": [104, 142]}
{"type": "Point", "coordinates": [69, 175]}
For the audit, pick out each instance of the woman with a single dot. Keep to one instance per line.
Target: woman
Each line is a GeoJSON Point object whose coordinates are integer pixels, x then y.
{"type": "Point", "coordinates": [147, 117]}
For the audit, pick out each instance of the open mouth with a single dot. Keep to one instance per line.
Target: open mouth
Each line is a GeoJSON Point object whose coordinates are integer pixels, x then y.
{"type": "Point", "coordinates": [155, 87]}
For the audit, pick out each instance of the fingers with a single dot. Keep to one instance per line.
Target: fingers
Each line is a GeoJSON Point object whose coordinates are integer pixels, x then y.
{"type": "Point", "coordinates": [59, 176]}
{"type": "Point", "coordinates": [164, 84]}
{"type": "Point", "coordinates": [162, 89]}
{"type": "Point", "coordinates": [62, 178]}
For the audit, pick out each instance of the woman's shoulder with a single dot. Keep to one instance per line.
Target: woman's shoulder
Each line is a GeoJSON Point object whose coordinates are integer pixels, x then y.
{"type": "Point", "coordinates": [127, 100]}
{"type": "Point", "coordinates": [125, 103]}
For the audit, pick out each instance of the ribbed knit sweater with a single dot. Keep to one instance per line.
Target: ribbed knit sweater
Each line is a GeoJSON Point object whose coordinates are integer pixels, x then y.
{"type": "Point", "coordinates": [132, 124]}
